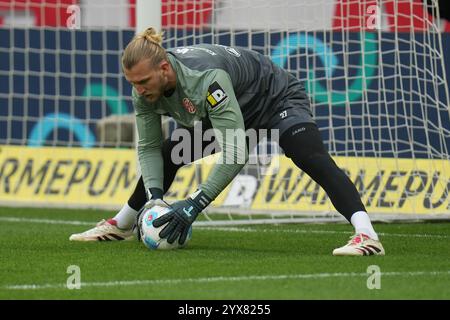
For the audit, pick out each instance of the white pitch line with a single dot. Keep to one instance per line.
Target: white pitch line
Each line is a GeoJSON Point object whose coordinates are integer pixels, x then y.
{"type": "Point", "coordinates": [46, 221]}
{"type": "Point", "coordinates": [227, 229]}
{"type": "Point", "coordinates": [408, 235]}
{"type": "Point", "coordinates": [222, 279]}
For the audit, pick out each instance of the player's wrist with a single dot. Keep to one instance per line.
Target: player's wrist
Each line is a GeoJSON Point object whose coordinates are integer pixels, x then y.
{"type": "Point", "coordinates": [154, 193]}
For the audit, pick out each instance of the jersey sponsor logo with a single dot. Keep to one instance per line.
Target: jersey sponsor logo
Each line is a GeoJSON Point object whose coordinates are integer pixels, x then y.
{"type": "Point", "coordinates": [216, 95]}
{"type": "Point", "coordinates": [189, 106]}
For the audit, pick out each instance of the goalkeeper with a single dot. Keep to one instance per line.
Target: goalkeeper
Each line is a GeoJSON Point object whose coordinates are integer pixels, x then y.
{"type": "Point", "coordinates": [226, 89]}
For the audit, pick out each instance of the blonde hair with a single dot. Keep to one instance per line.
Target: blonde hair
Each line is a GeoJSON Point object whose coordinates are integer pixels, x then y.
{"type": "Point", "coordinates": [146, 45]}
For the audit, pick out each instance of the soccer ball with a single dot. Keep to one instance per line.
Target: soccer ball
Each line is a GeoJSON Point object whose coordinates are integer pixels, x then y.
{"type": "Point", "coordinates": [150, 234]}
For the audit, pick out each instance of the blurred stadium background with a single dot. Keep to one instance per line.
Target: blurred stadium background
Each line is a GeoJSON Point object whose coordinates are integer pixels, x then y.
{"type": "Point", "coordinates": [377, 73]}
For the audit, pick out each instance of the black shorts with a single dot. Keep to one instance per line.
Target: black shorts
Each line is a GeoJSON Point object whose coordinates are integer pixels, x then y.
{"type": "Point", "coordinates": [290, 113]}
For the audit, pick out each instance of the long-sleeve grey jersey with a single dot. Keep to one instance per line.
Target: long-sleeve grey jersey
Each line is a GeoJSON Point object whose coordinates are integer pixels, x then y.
{"type": "Point", "coordinates": [234, 89]}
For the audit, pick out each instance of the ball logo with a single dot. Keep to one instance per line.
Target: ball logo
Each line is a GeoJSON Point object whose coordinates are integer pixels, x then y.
{"type": "Point", "coordinates": [152, 216]}
{"type": "Point", "coordinates": [188, 105]}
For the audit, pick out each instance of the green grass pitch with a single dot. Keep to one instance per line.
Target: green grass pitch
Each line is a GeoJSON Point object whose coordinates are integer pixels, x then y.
{"type": "Point", "coordinates": [286, 262]}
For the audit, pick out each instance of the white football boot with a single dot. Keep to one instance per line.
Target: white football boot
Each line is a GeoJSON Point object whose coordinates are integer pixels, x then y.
{"type": "Point", "coordinates": [105, 230]}
{"type": "Point", "coordinates": [360, 244]}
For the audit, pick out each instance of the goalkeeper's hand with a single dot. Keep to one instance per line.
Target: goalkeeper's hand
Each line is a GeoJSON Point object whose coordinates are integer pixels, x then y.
{"type": "Point", "coordinates": [155, 202]}
{"type": "Point", "coordinates": [181, 217]}
{"type": "Point", "coordinates": [154, 197]}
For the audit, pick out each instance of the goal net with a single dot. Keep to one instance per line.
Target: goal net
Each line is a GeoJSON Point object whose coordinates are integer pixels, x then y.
{"type": "Point", "coordinates": [375, 71]}
{"type": "Point", "coordinates": [376, 76]}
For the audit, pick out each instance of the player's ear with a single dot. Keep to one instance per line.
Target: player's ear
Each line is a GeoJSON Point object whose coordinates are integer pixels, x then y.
{"type": "Point", "coordinates": [164, 66]}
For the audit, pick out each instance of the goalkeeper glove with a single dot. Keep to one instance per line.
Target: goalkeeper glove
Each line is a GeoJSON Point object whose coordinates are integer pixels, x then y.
{"type": "Point", "coordinates": [181, 217]}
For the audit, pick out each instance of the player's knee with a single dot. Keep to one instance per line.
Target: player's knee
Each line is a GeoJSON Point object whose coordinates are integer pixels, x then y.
{"type": "Point", "coordinates": [311, 158]}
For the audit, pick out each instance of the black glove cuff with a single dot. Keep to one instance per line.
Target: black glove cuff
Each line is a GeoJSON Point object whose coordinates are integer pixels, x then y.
{"type": "Point", "coordinates": [154, 193]}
